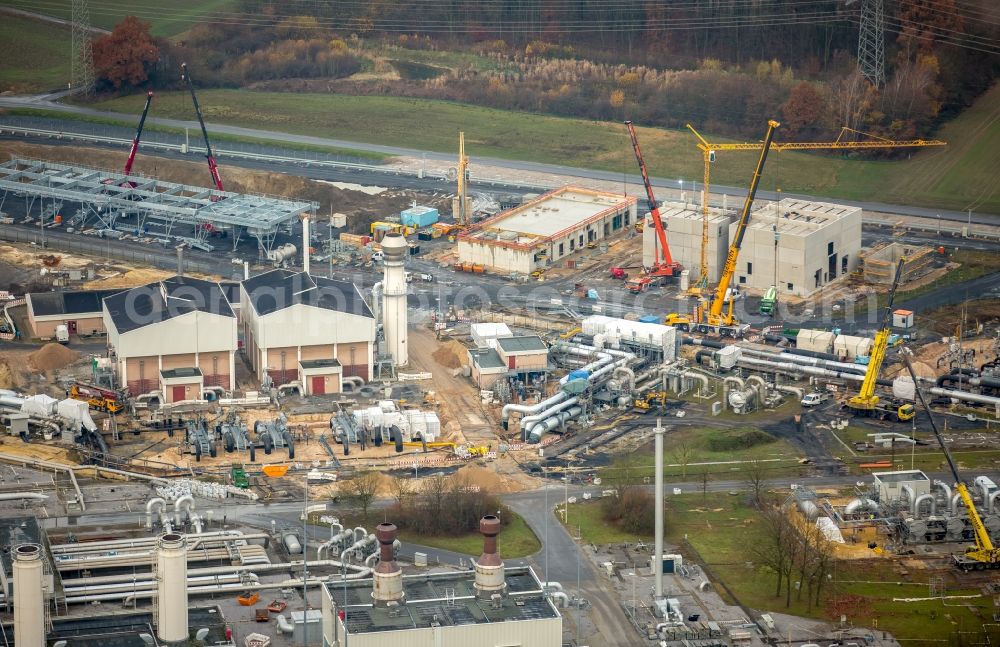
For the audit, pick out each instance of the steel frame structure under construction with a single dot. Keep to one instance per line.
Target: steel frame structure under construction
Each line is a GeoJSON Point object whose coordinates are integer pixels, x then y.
{"type": "Point", "coordinates": [153, 208]}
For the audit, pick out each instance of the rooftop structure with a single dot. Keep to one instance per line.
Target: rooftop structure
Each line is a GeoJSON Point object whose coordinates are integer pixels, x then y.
{"type": "Point", "coordinates": [683, 222]}
{"type": "Point", "coordinates": [447, 601]}
{"type": "Point", "coordinates": [546, 229]}
{"type": "Point", "coordinates": [811, 243]}
{"type": "Point", "coordinates": [159, 207]}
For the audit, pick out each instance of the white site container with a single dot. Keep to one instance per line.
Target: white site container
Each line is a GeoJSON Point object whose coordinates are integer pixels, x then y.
{"type": "Point", "coordinates": [820, 341]}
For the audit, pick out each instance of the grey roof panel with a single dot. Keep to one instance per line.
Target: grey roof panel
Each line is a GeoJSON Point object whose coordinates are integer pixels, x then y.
{"type": "Point", "coordinates": [44, 304]}
{"type": "Point", "coordinates": [166, 299]}
{"type": "Point", "coordinates": [280, 289]}
{"type": "Point", "coordinates": [520, 344]}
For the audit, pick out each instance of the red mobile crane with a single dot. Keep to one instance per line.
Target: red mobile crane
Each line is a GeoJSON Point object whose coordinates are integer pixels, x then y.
{"type": "Point", "coordinates": [213, 168]}
{"type": "Point", "coordinates": [665, 266]}
{"type": "Point", "coordinates": [138, 135]}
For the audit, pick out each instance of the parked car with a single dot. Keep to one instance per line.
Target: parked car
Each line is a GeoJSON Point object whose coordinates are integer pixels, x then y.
{"type": "Point", "coordinates": [815, 398]}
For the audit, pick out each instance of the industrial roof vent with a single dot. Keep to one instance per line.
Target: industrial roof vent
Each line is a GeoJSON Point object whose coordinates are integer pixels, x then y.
{"type": "Point", "coordinates": [387, 577]}
{"type": "Point", "coordinates": [490, 579]}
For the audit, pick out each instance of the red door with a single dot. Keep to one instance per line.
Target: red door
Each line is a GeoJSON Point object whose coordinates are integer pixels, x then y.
{"type": "Point", "coordinates": [177, 393]}
{"type": "Point", "coordinates": [512, 362]}
{"type": "Point", "coordinates": [318, 385]}
{"type": "Point", "coordinates": [71, 327]}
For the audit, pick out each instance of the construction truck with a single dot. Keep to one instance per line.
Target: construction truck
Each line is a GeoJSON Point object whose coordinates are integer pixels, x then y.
{"type": "Point", "coordinates": [664, 266]}
{"type": "Point", "coordinates": [99, 398]}
{"type": "Point", "coordinates": [867, 402]}
{"type": "Point", "coordinates": [769, 301]}
{"type": "Point", "coordinates": [712, 319]}
{"type": "Point", "coordinates": [638, 284]}
{"type": "Point", "coordinates": [984, 555]}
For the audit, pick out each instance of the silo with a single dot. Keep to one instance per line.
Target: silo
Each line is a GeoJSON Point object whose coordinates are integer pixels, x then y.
{"type": "Point", "coordinates": [29, 600]}
{"type": "Point", "coordinates": [171, 589]}
{"type": "Point", "coordinates": [394, 250]}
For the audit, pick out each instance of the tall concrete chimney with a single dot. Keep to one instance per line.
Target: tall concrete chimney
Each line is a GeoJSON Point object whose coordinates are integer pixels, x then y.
{"type": "Point", "coordinates": [658, 540]}
{"type": "Point", "coordinates": [394, 250]}
{"type": "Point", "coordinates": [387, 577]}
{"type": "Point", "coordinates": [171, 589]}
{"type": "Point", "coordinates": [29, 598]}
{"type": "Point", "coordinates": [490, 579]}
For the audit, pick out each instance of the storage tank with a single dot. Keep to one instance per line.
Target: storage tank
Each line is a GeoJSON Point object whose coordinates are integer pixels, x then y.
{"type": "Point", "coordinates": [282, 253]}
{"type": "Point", "coordinates": [291, 542]}
{"type": "Point", "coordinates": [902, 387]}
{"type": "Point", "coordinates": [171, 589]}
{"type": "Point", "coordinates": [820, 341]}
{"type": "Point", "coordinates": [29, 596]}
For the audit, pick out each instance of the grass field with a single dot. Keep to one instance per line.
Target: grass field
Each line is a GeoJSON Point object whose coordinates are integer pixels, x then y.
{"type": "Point", "coordinates": [933, 177]}
{"type": "Point", "coordinates": [167, 19]}
{"type": "Point", "coordinates": [585, 523]}
{"type": "Point", "coordinates": [708, 445]}
{"type": "Point", "coordinates": [34, 55]}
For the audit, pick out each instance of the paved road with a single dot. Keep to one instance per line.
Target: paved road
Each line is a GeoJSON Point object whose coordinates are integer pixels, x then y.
{"type": "Point", "coordinates": [45, 102]}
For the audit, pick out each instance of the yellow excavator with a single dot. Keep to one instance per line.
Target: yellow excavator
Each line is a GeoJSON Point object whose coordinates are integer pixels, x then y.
{"type": "Point", "coordinates": [984, 555]}
{"type": "Point", "coordinates": [867, 402]}
{"type": "Point", "coordinates": [645, 402]}
{"type": "Point", "coordinates": [713, 319]}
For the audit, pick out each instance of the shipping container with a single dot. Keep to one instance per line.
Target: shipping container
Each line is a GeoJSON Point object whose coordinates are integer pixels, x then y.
{"type": "Point", "coordinates": [338, 220]}
{"type": "Point", "coordinates": [820, 341]}
{"type": "Point", "coordinates": [848, 347]}
{"type": "Point", "coordinates": [418, 216]}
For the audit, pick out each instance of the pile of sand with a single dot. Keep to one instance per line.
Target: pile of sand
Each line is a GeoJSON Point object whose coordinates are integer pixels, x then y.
{"type": "Point", "coordinates": [8, 378]}
{"type": "Point", "coordinates": [129, 279]}
{"type": "Point", "coordinates": [450, 354]}
{"type": "Point", "coordinates": [487, 479]}
{"type": "Point", "coordinates": [51, 357]}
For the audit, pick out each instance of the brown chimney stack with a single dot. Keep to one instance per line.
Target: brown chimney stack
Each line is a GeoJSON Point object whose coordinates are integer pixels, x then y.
{"type": "Point", "coordinates": [490, 578]}
{"type": "Point", "coordinates": [387, 578]}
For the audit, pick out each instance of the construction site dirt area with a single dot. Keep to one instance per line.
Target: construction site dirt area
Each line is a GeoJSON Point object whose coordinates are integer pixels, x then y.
{"type": "Point", "coordinates": [52, 357]}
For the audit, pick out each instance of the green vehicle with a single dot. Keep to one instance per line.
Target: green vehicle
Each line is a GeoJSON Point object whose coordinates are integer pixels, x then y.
{"type": "Point", "coordinates": [239, 477]}
{"type": "Point", "coordinates": [769, 300]}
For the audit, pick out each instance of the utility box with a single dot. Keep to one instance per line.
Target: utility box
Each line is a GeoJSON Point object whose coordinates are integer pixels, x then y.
{"type": "Point", "coordinates": [18, 423]}
{"type": "Point", "coordinates": [418, 216]}
{"type": "Point", "coordinates": [338, 220]}
{"type": "Point", "coordinates": [669, 563]}
{"type": "Point", "coordinates": [728, 357]}
{"type": "Point", "coordinates": [902, 319]}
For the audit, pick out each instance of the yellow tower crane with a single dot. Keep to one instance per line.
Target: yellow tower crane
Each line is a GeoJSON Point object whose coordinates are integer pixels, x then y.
{"type": "Point", "coordinates": [463, 169]}
{"type": "Point", "coordinates": [708, 152]}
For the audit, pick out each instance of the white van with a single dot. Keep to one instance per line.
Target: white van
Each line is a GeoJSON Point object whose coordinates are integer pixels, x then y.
{"type": "Point", "coordinates": [377, 256]}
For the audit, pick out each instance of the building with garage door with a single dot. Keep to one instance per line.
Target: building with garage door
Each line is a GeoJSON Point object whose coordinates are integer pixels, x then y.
{"type": "Point", "coordinates": [80, 311]}
{"type": "Point", "coordinates": [172, 334]}
{"type": "Point", "coordinates": [544, 231]}
{"type": "Point", "coordinates": [306, 329]}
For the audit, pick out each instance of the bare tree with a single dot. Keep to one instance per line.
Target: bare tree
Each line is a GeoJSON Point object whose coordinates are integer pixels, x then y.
{"type": "Point", "coordinates": [755, 480]}
{"type": "Point", "coordinates": [773, 549]}
{"type": "Point", "coordinates": [682, 453]}
{"type": "Point", "coordinates": [363, 488]}
{"type": "Point", "coordinates": [401, 488]}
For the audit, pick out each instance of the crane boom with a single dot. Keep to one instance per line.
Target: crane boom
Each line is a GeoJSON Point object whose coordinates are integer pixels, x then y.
{"type": "Point", "coordinates": [715, 311]}
{"type": "Point", "coordinates": [984, 554]}
{"type": "Point", "coordinates": [213, 168]}
{"type": "Point", "coordinates": [866, 399]}
{"type": "Point", "coordinates": [138, 135]}
{"type": "Point", "coordinates": [665, 265]}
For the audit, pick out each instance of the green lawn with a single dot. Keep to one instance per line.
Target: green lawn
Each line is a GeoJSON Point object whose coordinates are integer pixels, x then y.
{"type": "Point", "coordinates": [34, 55]}
{"type": "Point", "coordinates": [585, 523]}
{"type": "Point", "coordinates": [707, 445]}
{"type": "Point", "coordinates": [167, 19]}
{"type": "Point", "coordinates": [516, 539]}
{"type": "Point", "coordinates": [947, 177]}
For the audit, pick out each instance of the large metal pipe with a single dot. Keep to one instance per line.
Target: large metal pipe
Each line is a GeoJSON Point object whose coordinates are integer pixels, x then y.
{"type": "Point", "coordinates": [911, 497]}
{"type": "Point", "coordinates": [171, 589]}
{"type": "Point", "coordinates": [860, 504]}
{"type": "Point", "coordinates": [968, 397]}
{"type": "Point", "coordinates": [946, 490]}
{"type": "Point", "coordinates": [697, 376]}
{"type": "Point", "coordinates": [529, 422]}
{"type": "Point", "coordinates": [920, 499]}
{"type": "Point", "coordinates": [551, 423]}
{"type": "Point", "coordinates": [699, 341]}
{"type": "Point", "coordinates": [186, 501]}
{"type": "Point", "coordinates": [17, 496]}
{"type": "Point", "coordinates": [992, 502]}
{"type": "Point", "coordinates": [305, 243]}
{"type": "Point", "coordinates": [149, 542]}
{"type": "Point", "coordinates": [29, 596]}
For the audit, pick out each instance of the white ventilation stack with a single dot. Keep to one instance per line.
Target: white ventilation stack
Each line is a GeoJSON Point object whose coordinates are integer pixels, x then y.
{"type": "Point", "coordinates": [305, 243]}
{"type": "Point", "coordinates": [490, 577]}
{"type": "Point", "coordinates": [171, 589]}
{"type": "Point", "coordinates": [387, 578]}
{"type": "Point", "coordinates": [29, 598]}
{"type": "Point", "coordinates": [394, 249]}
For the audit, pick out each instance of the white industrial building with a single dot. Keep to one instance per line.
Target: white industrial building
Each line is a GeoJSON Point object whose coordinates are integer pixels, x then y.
{"type": "Point", "coordinates": [817, 243]}
{"type": "Point", "coordinates": [490, 605]}
{"type": "Point", "coordinates": [683, 224]}
{"type": "Point", "coordinates": [176, 336]}
{"type": "Point", "coordinates": [306, 329]}
{"type": "Point", "coordinates": [546, 230]}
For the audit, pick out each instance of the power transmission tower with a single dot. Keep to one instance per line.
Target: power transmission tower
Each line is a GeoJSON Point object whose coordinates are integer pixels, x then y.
{"type": "Point", "coordinates": [82, 72]}
{"type": "Point", "coordinates": [871, 41]}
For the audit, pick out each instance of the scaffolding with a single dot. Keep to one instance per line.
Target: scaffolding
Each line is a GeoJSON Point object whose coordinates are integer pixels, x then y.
{"type": "Point", "coordinates": [111, 204]}
{"type": "Point", "coordinates": [880, 262]}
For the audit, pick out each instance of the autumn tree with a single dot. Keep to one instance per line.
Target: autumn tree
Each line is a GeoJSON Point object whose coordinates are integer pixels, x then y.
{"type": "Point", "coordinates": [805, 110]}
{"type": "Point", "coordinates": [363, 488]}
{"type": "Point", "coordinates": [124, 56]}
